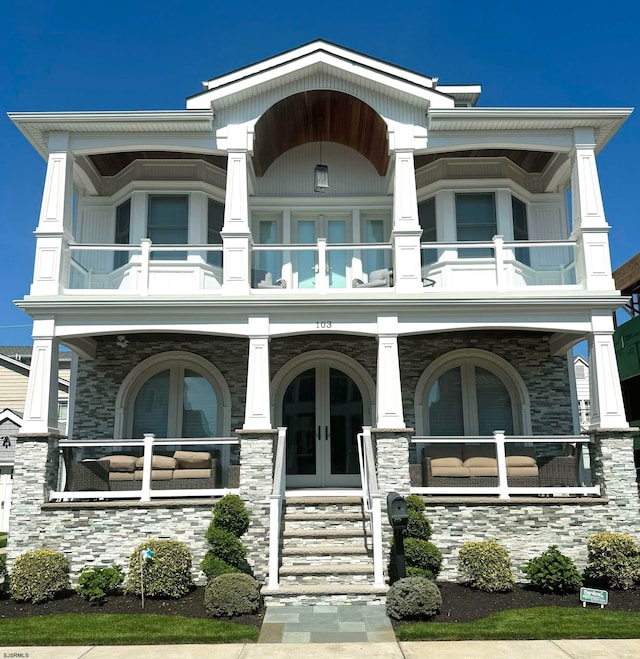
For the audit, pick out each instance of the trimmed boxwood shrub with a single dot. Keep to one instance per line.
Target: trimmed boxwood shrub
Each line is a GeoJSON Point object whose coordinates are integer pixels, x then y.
{"type": "Point", "coordinates": [231, 515]}
{"type": "Point", "coordinates": [413, 597]}
{"type": "Point", "coordinates": [613, 560]}
{"type": "Point", "coordinates": [226, 547]}
{"type": "Point", "coordinates": [213, 566]}
{"type": "Point", "coordinates": [415, 502]}
{"type": "Point", "coordinates": [95, 583]}
{"type": "Point", "coordinates": [39, 575]}
{"type": "Point", "coordinates": [486, 566]}
{"type": "Point", "coordinates": [166, 574]}
{"type": "Point", "coordinates": [424, 556]}
{"type": "Point", "coordinates": [553, 572]}
{"type": "Point", "coordinates": [418, 525]}
{"type": "Point", "coordinates": [232, 595]}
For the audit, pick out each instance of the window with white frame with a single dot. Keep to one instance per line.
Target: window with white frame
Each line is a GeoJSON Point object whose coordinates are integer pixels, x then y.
{"type": "Point", "coordinates": [123, 230]}
{"type": "Point", "coordinates": [427, 219]}
{"type": "Point", "coordinates": [471, 394]}
{"type": "Point", "coordinates": [475, 220]}
{"type": "Point", "coordinates": [215, 222]}
{"type": "Point", "coordinates": [168, 223]}
{"type": "Point", "coordinates": [175, 399]}
{"type": "Point", "coordinates": [520, 228]}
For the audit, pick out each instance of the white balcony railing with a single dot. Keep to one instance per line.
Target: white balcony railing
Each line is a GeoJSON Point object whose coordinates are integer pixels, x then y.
{"type": "Point", "coordinates": [549, 465]}
{"type": "Point", "coordinates": [146, 469]}
{"type": "Point", "coordinates": [320, 267]}
{"type": "Point", "coordinates": [499, 265]}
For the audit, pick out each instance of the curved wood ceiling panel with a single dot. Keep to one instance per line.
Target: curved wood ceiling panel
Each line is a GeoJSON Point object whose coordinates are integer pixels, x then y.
{"type": "Point", "coordinates": [321, 115]}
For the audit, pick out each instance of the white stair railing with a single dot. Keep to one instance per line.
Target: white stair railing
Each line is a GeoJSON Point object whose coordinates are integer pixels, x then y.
{"type": "Point", "coordinates": [275, 508]}
{"type": "Point", "coordinates": [371, 499]}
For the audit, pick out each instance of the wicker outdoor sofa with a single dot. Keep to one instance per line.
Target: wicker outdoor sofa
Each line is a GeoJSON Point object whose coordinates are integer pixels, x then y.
{"type": "Point", "coordinates": [469, 465]}
{"type": "Point", "coordinates": [184, 470]}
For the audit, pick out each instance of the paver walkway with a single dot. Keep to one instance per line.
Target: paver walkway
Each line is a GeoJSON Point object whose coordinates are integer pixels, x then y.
{"type": "Point", "coordinates": [326, 624]}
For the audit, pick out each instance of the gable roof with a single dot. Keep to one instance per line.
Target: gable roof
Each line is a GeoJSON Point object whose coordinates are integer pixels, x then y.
{"type": "Point", "coordinates": [326, 57]}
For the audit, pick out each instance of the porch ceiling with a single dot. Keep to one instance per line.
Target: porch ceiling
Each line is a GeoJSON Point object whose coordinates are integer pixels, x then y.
{"type": "Point", "coordinates": [109, 164]}
{"type": "Point", "coordinates": [532, 162]}
{"type": "Point", "coordinates": [320, 115]}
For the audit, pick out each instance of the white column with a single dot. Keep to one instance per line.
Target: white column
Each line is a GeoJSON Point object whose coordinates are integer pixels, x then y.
{"type": "Point", "coordinates": [590, 228]}
{"type": "Point", "coordinates": [235, 233]}
{"type": "Point", "coordinates": [406, 226]}
{"type": "Point", "coordinates": [41, 404]}
{"type": "Point", "coordinates": [258, 401]}
{"type": "Point", "coordinates": [389, 411]}
{"type": "Point", "coordinates": [54, 227]}
{"type": "Point", "coordinates": [607, 408]}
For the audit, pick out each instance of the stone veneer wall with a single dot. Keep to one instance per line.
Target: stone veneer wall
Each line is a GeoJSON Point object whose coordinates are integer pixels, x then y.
{"type": "Point", "coordinates": [545, 376]}
{"type": "Point", "coordinates": [92, 534]}
{"type": "Point", "coordinates": [99, 380]}
{"type": "Point", "coordinates": [527, 529]}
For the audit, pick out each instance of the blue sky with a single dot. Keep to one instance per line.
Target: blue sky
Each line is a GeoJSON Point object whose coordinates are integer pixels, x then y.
{"type": "Point", "coordinates": [134, 55]}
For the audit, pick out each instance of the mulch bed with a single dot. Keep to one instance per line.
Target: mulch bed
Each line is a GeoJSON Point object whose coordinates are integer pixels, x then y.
{"type": "Point", "coordinates": [460, 604]}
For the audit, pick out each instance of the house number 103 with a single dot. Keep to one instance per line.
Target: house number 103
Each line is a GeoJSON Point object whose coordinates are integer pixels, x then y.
{"type": "Point", "coordinates": [323, 324]}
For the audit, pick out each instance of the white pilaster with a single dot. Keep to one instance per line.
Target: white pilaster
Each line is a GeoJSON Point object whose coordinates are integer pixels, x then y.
{"type": "Point", "coordinates": [406, 226]}
{"type": "Point", "coordinates": [590, 228]}
{"type": "Point", "coordinates": [607, 408]}
{"type": "Point", "coordinates": [41, 404]}
{"type": "Point", "coordinates": [54, 226]}
{"type": "Point", "coordinates": [258, 403]}
{"type": "Point", "coordinates": [389, 411]}
{"type": "Point", "coordinates": [235, 233]}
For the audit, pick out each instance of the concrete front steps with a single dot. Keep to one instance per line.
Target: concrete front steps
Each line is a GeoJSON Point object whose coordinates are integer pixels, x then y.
{"type": "Point", "coordinates": [326, 554]}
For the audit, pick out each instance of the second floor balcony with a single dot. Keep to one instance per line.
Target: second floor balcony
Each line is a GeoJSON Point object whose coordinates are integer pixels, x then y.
{"type": "Point", "coordinates": [317, 268]}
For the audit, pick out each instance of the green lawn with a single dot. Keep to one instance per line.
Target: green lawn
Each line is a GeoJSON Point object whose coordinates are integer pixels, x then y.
{"type": "Point", "coordinates": [108, 629]}
{"type": "Point", "coordinates": [539, 623]}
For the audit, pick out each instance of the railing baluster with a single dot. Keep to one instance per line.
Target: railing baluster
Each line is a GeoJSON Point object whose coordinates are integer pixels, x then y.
{"type": "Point", "coordinates": [145, 493]}
{"type": "Point", "coordinates": [503, 483]}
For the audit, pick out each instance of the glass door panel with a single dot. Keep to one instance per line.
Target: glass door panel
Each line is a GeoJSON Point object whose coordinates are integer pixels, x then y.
{"type": "Point", "coordinates": [323, 412]}
{"type": "Point", "coordinates": [306, 234]}
{"type": "Point", "coordinates": [337, 260]}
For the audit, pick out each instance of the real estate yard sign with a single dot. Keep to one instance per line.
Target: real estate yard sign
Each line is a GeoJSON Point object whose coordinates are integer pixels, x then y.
{"type": "Point", "coordinates": [594, 596]}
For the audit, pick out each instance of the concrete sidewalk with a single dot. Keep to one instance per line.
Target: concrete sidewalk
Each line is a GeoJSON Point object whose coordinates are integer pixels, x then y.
{"type": "Point", "coordinates": [583, 649]}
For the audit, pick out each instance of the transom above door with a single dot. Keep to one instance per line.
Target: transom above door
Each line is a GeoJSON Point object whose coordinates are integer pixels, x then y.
{"type": "Point", "coordinates": [322, 410]}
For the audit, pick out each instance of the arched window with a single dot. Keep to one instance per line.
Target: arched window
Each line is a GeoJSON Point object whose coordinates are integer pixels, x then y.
{"type": "Point", "coordinates": [174, 395]}
{"type": "Point", "coordinates": [471, 392]}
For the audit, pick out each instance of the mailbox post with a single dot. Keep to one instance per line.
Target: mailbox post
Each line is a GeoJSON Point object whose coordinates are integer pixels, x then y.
{"type": "Point", "coordinates": [398, 518]}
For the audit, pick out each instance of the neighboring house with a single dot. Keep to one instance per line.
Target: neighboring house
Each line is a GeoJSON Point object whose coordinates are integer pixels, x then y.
{"type": "Point", "coordinates": [15, 364]}
{"type": "Point", "coordinates": [322, 278]}
{"type": "Point", "coordinates": [581, 371]}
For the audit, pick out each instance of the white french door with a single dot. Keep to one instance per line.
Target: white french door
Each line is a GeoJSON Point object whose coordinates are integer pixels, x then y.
{"type": "Point", "coordinates": [322, 410]}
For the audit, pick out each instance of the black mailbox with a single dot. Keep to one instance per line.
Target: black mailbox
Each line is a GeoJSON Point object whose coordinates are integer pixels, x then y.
{"type": "Point", "coordinates": [397, 510]}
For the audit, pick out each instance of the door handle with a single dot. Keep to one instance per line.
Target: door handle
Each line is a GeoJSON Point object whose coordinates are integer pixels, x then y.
{"type": "Point", "coordinates": [326, 433]}
{"type": "Point", "coordinates": [319, 433]}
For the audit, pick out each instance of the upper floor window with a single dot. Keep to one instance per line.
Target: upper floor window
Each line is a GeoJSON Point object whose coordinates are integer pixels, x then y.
{"type": "Point", "coordinates": [123, 228]}
{"type": "Point", "coordinates": [476, 220]}
{"type": "Point", "coordinates": [520, 228]}
{"type": "Point", "coordinates": [215, 222]}
{"type": "Point", "coordinates": [427, 219]}
{"type": "Point", "coordinates": [168, 223]}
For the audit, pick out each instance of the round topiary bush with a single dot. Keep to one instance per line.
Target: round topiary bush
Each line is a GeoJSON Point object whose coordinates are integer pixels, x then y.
{"type": "Point", "coordinates": [423, 555]}
{"type": "Point", "coordinates": [231, 515]}
{"type": "Point", "coordinates": [39, 575]}
{"type": "Point", "coordinates": [486, 566]}
{"type": "Point", "coordinates": [613, 560]}
{"type": "Point", "coordinates": [413, 597]}
{"type": "Point", "coordinates": [553, 572]}
{"type": "Point", "coordinates": [213, 566]}
{"type": "Point", "coordinates": [225, 546]}
{"type": "Point", "coordinates": [418, 526]}
{"type": "Point", "coordinates": [415, 502]}
{"type": "Point", "coordinates": [232, 595]}
{"type": "Point", "coordinates": [166, 574]}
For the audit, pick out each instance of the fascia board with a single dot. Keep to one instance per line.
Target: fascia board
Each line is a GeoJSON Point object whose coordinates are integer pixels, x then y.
{"type": "Point", "coordinates": [35, 126]}
{"type": "Point", "coordinates": [307, 50]}
{"type": "Point", "coordinates": [467, 119]}
{"type": "Point", "coordinates": [421, 90]}
{"type": "Point", "coordinates": [9, 415]}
